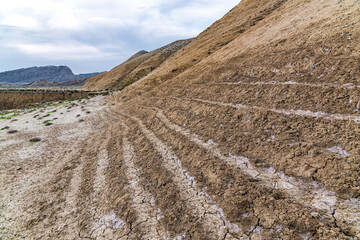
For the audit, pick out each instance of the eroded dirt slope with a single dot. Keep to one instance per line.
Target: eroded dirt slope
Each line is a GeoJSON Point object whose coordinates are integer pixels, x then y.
{"type": "Point", "coordinates": [11, 99]}
{"type": "Point", "coordinates": [133, 69]}
{"type": "Point", "coordinates": [258, 140]}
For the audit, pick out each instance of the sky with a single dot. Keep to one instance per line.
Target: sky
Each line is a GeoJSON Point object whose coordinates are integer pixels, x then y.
{"type": "Point", "coordinates": [95, 36]}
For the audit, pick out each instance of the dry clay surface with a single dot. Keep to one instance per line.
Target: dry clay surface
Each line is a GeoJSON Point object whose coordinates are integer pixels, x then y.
{"type": "Point", "coordinates": [177, 169]}
{"type": "Point", "coordinates": [254, 136]}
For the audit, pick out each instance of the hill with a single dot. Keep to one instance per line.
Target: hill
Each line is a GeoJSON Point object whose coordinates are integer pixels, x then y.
{"type": "Point", "coordinates": [251, 131]}
{"type": "Point", "coordinates": [33, 74]}
{"type": "Point", "coordinates": [135, 68]}
{"type": "Point", "coordinates": [45, 83]}
{"type": "Point", "coordinates": [40, 83]}
{"type": "Point", "coordinates": [277, 83]}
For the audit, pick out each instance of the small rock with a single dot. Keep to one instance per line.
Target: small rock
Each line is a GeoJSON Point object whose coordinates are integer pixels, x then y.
{"type": "Point", "coordinates": [12, 131]}
{"type": "Point", "coordinates": [325, 49]}
{"type": "Point", "coordinates": [351, 231]}
{"type": "Point", "coordinates": [315, 214]}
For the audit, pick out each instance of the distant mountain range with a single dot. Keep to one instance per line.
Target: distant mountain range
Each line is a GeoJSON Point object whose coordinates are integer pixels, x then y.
{"type": "Point", "coordinates": [25, 76]}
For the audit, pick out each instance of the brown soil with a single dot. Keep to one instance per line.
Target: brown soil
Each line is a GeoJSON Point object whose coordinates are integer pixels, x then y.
{"type": "Point", "coordinates": [135, 68]}
{"type": "Point", "coordinates": [257, 140]}
{"type": "Point", "coordinates": [20, 99]}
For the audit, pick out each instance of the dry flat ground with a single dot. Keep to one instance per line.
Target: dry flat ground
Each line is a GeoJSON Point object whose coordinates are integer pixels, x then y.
{"type": "Point", "coordinates": [249, 132]}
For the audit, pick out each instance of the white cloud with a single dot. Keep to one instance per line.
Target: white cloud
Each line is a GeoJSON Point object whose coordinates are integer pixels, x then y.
{"type": "Point", "coordinates": [75, 14]}
{"type": "Point", "coordinates": [79, 29]}
{"type": "Point", "coordinates": [59, 51]}
{"type": "Point", "coordinates": [17, 20]}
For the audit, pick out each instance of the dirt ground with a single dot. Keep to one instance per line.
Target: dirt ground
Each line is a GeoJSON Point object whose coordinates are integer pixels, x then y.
{"type": "Point", "coordinates": [11, 99]}
{"type": "Point", "coordinates": [257, 140]}
{"type": "Point", "coordinates": [170, 168]}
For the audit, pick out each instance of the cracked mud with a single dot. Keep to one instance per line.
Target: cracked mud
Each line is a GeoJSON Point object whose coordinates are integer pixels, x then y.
{"type": "Point", "coordinates": [230, 145]}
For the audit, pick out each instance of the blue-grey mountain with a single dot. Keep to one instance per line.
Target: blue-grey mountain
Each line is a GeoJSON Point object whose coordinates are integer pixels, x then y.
{"type": "Point", "coordinates": [49, 73]}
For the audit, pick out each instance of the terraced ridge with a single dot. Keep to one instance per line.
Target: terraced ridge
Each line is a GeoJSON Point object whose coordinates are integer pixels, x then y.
{"type": "Point", "coordinates": [291, 159]}
{"type": "Point", "coordinates": [189, 167]}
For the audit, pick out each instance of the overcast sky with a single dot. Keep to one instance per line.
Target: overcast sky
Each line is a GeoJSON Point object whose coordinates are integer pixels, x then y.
{"type": "Point", "coordinates": [96, 35]}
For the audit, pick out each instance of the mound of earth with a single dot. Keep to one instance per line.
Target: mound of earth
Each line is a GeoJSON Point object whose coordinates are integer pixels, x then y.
{"type": "Point", "coordinates": [25, 98]}
{"type": "Point", "coordinates": [135, 68]}
{"type": "Point", "coordinates": [41, 83]}
{"type": "Point", "coordinates": [77, 82]}
{"type": "Point", "coordinates": [45, 83]}
{"type": "Point", "coordinates": [250, 132]}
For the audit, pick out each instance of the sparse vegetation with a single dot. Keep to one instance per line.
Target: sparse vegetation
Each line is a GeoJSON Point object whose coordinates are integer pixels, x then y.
{"type": "Point", "coordinates": [47, 121]}
{"type": "Point", "coordinates": [36, 139]}
{"type": "Point", "coordinates": [10, 117]}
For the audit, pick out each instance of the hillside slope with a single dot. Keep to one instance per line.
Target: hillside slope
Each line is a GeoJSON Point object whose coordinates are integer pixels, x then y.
{"type": "Point", "coordinates": [250, 132]}
{"type": "Point", "coordinates": [133, 69]}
